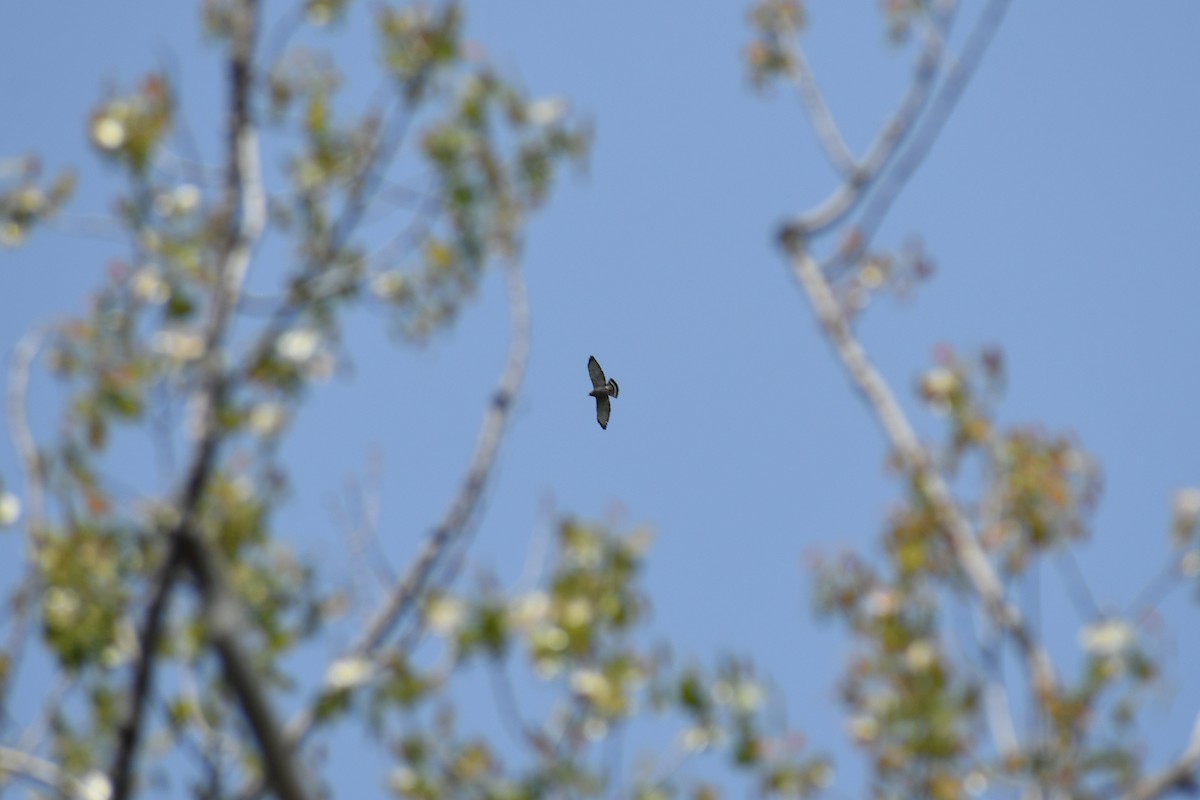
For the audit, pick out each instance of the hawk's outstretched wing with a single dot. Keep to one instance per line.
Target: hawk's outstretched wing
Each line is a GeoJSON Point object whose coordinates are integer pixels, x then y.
{"type": "Point", "coordinates": [603, 407]}
{"type": "Point", "coordinates": [598, 381]}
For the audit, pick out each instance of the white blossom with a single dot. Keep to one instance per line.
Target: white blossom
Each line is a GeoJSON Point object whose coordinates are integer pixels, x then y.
{"type": "Point", "coordinates": [920, 655]}
{"type": "Point", "coordinates": [149, 286]}
{"type": "Point", "coordinates": [181, 345]}
{"type": "Point", "coordinates": [298, 346]}
{"type": "Point", "coordinates": [546, 111]}
{"type": "Point", "coordinates": [590, 683]}
{"type": "Point", "coordinates": [863, 728]}
{"type": "Point", "coordinates": [881, 603]}
{"type": "Point", "coordinates": [108, 133]}
{"type": "Point", "coordinates": [347, 673]}
{"type": "Point", "coordinates": [1187, 513]}
{"type": "Point", "coordinates": [94, 786]}
{"type": "Point", "coordinates": [1107, 638]}
{"type": "Point", "coordinates": [939, 382]}
{"type": "Point", "coordinates": [445, 615]}
{"type": "Point", "coordinates": [403, 780]}
{"type": "Point", "coordinates": [10, 508]}
{"type": "Point", "coordinates": [529, 611]}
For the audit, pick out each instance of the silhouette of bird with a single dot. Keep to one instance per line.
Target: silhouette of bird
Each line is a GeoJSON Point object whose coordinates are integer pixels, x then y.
{"type": "Point", "coordinates": [601, 390]}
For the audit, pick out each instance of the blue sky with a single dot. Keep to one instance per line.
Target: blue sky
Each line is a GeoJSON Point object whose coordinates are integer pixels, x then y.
{"type": "Point", "coordinates": [1060, 206]}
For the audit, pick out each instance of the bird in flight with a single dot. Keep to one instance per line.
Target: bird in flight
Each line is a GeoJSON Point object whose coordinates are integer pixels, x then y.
{"type": "Point", "coordinates": [601, 390]}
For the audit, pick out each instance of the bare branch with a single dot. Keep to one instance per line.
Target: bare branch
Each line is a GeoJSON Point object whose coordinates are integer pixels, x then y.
{"type": "Point", "coordinates": [996, 704]}
{"type": "Point", "coordinates": [404, 595]}
{"type": "Point", "coordinates": [223, 616]}
{"type": "Point", "coordinates": [828, 135]}
{"type": "Point", "coordinates": [843, 200]}
{"type": "Point", "coordinates": [1153, 593]}
{"type": "Point", "coordinates": [1179, 775]}
{"type": "Point", "coordinates": [33, 481]}
{"type": "Point", "coordinates": [509, 709]}
{"type": "Point", "coordinates": [931, 125]}
{"type": "Point", "coordinates": [39, 770]}
{"type": "Point", "coordinates": [128, 734]}
{"type": "Point", "coordinates": [18, 424]}
{"type": "Point", "coordinates": [967, 549]}
{"type": "Point", "coordinates": [32, 738]}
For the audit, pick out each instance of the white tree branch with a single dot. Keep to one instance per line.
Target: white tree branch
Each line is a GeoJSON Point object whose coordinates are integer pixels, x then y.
{"type": "Point", "coordinates": [20, 363]}
{"type": "Point", "coordinates": [39, 770]}
{"type": "Point", "coordinates": [899, 432]}
{"type": "Point", "coordinates": [824, 125]}
{"type": "Point", "coordinates": [1179, 775]}
{"type": "Point", "coordinates": [405, 595]}
{"type": "Point", "coordinates": [843, 200]}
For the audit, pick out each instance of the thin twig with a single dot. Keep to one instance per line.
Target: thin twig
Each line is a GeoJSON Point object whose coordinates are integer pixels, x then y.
{"type": "Point", "coordinates": [1157, 590]}
{"type": "Point", "coordinates": [509, 710]}
{"type": "Point", "coordinates": [404, 595]}
{"type": "Point", "coordinates": [539, 546]}
{"type": "Point", "coordinates": [33, 481]}
{"type": "Point", "coordinates": [1084, 601]}
{"type": "Point", "coordinates": [20, 362]}
{"type": "Point", "coordinates": [314, 281]}
{"type": "Point", "coordinates": [932, 124]}
{"type": "Point", "coordinates": [33, 737]}
{"type": "Point", "coordinates": [843, 200]}
{"type": "Point", "coordinates": [1179, 775]}
{"type": "Point", "coordinates": [996, 704]}
{"type": "Point", "coordinates": [823, 123]}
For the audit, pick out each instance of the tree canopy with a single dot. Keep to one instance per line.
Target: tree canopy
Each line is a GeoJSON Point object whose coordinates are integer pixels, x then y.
{"type": "Point", "coordinates": [167, 631]}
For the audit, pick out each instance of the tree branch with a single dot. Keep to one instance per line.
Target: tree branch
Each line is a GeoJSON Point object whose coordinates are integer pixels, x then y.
{"type": "Point", "coordinates": [1179, 775]}
{"type": "Point", "coordinates": [18, 424]}
{"type": "Point", "coordinates": [39, 770]}
{"type": "Point", "coordinates": [899, 432]}
{"type": "Point", "coordinates": [824, 125]}
{"type": "Point", "coordinates": [796, 237]}
{"type": "Point", "coordinates": [931, 125]}
{"type": "Point", "coordinates": [33, 480]}
{"type": "Point", "coordinates": [843, 200]}
{"type": "Point", "coordinates": [405, 594]}
{"type": "Point", "coordinates": [244, 202]}
{"type": "Point", "coordinates": [223, 616]}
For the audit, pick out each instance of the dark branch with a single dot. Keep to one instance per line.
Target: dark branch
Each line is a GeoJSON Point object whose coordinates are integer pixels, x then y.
{"type": "Point", "coordinates": [245, 209]}
{"type": "Point", "coordinates": [404, 595]}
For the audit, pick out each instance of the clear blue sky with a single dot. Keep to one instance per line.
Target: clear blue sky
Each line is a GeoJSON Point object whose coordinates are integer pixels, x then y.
{"type": "Point", "coordinates": [1061, 206]}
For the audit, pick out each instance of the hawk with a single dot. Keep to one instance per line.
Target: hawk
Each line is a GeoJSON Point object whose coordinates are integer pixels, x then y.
{"type": "Point", "coordinates": [601, 390]}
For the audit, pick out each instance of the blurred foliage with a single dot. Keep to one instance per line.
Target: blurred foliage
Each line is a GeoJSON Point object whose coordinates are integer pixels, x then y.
{"type": "Point", "coordinates": [914, 689]}
{"type": "Point", "coordinates": [23, 203]}
{"type": "Point", "coordinates": [770, 55]}
{"type": "Point", "coordinates": [455, 157]}
{"type": "Point", "coordinates": [138, 360]}
{"type": "Point", "coordinates": [579, 636]}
